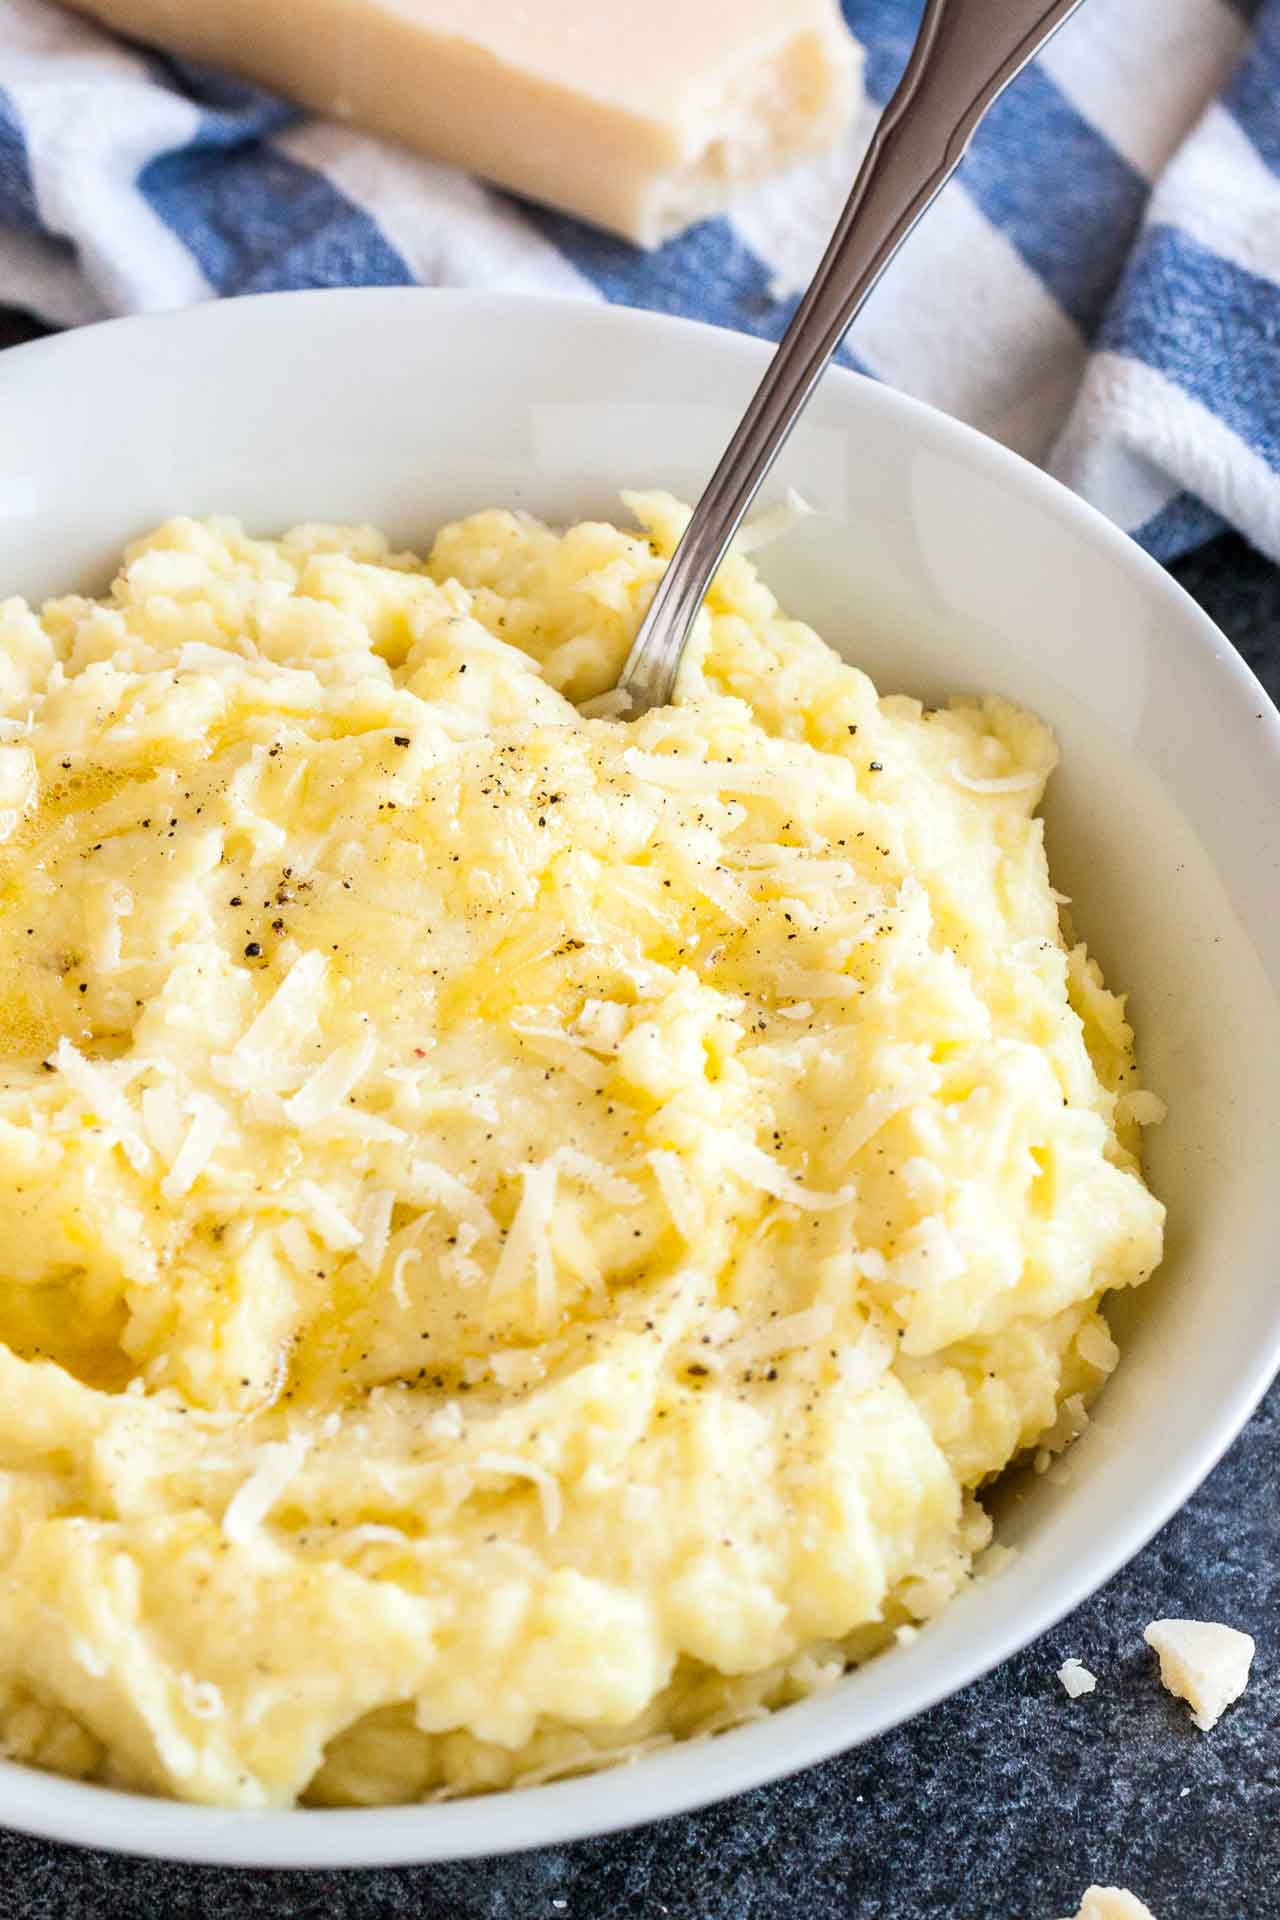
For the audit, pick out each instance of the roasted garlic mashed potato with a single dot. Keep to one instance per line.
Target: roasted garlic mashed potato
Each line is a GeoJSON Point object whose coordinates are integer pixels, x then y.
{"type": "Point", "coordinates": [522, 1234]}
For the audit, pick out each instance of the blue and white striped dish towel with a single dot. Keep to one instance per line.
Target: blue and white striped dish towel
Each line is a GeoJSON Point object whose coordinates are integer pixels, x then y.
{"type": "Point", "coordinates": [1100, 287]}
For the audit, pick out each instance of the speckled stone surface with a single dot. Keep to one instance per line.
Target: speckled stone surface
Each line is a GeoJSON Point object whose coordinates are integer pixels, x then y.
{"type": "Point", "coordinates": [1002, 1804]}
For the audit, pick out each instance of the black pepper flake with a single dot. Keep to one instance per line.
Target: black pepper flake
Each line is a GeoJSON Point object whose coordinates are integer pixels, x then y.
{"type": "Point", "coordinates": [236, 900]}
{"type": "Point", "coordinates": [252, 950]}
{"type": "Point", "coordinates": [401, 739]}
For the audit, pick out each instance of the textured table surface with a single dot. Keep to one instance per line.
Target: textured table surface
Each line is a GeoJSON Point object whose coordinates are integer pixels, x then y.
{"type": "Point", "coordinates": [1002, 1804]}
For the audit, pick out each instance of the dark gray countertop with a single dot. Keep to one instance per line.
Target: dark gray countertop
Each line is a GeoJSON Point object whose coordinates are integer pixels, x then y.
{"type": "Point", "coordinates": [1002, 1804]}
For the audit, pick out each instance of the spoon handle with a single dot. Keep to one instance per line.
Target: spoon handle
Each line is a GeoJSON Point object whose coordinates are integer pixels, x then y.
{"type": "Point", "coordinates": [965, 54]}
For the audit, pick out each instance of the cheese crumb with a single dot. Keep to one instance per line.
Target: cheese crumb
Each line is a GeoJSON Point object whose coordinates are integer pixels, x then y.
{"type": "Point", "coordinates": [1205, 1664]}
{"type": "Point", "coordinates": [1111, 1903]}
{"type": "Point", "coordinates": [1076, 1677]}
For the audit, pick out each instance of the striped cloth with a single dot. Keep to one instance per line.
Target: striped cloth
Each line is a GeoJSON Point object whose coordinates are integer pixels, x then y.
{"type": "Point", "coordinates": [1098, 289]}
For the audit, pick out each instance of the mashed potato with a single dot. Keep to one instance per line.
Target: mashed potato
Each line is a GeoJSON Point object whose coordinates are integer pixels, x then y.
{"type": "Point", "coordinates": [522, 1234]}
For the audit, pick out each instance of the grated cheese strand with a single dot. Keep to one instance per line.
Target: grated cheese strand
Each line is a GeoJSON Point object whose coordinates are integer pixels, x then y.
{"type": "Point", "coordinates": [95, 1088]}
{"type": "Point", "coordinates": [279, 1462]}
{"type": "Point", "coordinates": [207, 1131]}
{"type": "Point", "coordinates": [758, 1169]}
{"type": "Point", "coordinates": [399, 1292]}
{"type": "Point", "coordinates": [330, 1084]}
{"type": "Point", "coordinates": [528, 1239]}
{"type": "Point", "coordinates": [292, 1007]}
{"type": "Point", "coordinates": [373, 1223]}
{"type": "Point", "coordinates": [592, 1173]}
{"type": "Point", "coordinates": [876, 1111]}
{"type": "Point", "coordinates": [677, 1195]}
{"type": "Point", "coordinates": [784, 1335]}
{"type": "Point", "coordinates": [431, 1185]}
{"type": "Point", "coordinates": [330, 1222]}
{"type": "Point", "coordinates": [510, 1465]}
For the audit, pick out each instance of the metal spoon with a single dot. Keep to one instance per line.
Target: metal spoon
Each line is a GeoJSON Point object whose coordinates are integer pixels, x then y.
{"type": "Point", "coordinates": [965, 55]}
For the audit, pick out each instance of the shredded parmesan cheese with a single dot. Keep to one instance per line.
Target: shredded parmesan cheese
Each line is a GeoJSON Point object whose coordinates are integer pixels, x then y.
{"type": "Point", "coordinates": [202, 1700]}
{"type": "Point", "coordinates": [759, 1170]}
{"type": "Point", "coordinates": [560, 1047]}
{"type": "Point", "coordinates": [813, 983]}
{"type": "Point", "coordinates": [681, 775]}
{"type": "Point", "coordinates": [371, 1534]}
{"type": "Point", "coordinates": [784, 1335]}
{"type": "Point", "coordinates": [615, 704]}
{"type": "Point", "coordinates": [205, 1134]}
{"type": "Point", "coordinates": [928, 1256]}
{"type": "Point", "coordinates": [95, 1088]}
{"type": "Point", "coordinates": [434, 1186]}
{"type": "Point", "coordinates": [279, 1462]}
{"type": "Point", "coordinates": [330, 1084]}
{"type": "Point", "coordinates": [592, 1173]}
{"type": "Point", "coordinates": [292, 1008]}
{"type": "Point", "coordinates": [509, 1466]}
{"type": "Point", "coordinates": [399, 1292]}
{"type": "Point", "coordinates": [528, 1242]}
{"type": "Point", "coordinates": [327, 1217]}
{"type": "Point", "coordinates": [373, 1223]}
{"type": "Point", "coordinates": [763, 528]}
{"type": "Point", "coordinates": [1096, 1347]}
{"type": "Point", "coordinates": [876, 1111]}
{"type": "Point", "coordinates": [162, 1121]}
{"type": "Point", "coordinates": [297, 1245]}
{"type": "Point", "coordinates": [677, 1194]}
{"type": "Point", "coordinates": [1001, 783]}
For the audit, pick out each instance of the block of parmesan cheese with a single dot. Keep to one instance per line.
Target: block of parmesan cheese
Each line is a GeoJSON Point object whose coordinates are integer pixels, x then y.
{"type": "Point", "coordinates": [640, 115]}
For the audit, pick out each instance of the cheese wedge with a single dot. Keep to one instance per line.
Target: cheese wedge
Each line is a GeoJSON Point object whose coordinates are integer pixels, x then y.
{"type": "Point", "coordinates": [640, 115]}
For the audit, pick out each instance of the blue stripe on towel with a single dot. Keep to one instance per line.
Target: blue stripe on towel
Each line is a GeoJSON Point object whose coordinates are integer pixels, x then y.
{"type": "Point", "coordinates": [1183, 523]}
{"type": "Point", "coordinates": [1252, 95]}
{"type": "Point", "coordinates": [1209, 326]}
{"type": "Point", "coordinates": [256, 220]}
{"type": "Point", "coordinates": [259, 222]}
{"type": "Point", "coordinates": [17, 190]}
{"type": "Point", "coordinates": [242, 109]}
{"type": "Point", "coordinates": [1077, 238]}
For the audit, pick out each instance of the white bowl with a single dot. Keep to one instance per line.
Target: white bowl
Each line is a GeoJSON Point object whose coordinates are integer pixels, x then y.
{"type": "Point", "coordinates": [940, 563]}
